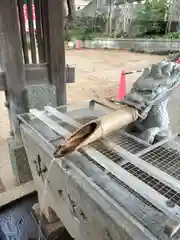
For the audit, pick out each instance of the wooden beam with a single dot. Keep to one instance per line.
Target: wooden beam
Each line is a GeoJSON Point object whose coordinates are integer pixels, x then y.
{"type": "Point", "coordinates": [37, 74]}
{"type": "Point", "coordinates": [33, 74]}
{"type": "Point", "coordinates": [2, 81]}
{"type": "Point", "coordinates": [16, 193]}
{"type": "Point", "coordinates": [12, 62]}
{"type": "Point", "coordinates": [56, 50]}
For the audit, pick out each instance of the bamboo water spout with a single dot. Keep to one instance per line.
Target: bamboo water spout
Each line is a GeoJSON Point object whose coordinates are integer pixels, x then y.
{"type": "Point", "coordinates": [97, 129]}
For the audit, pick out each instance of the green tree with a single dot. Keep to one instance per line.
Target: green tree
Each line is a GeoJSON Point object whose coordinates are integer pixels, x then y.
{"type": "Point", "coordinates": [151, 19]}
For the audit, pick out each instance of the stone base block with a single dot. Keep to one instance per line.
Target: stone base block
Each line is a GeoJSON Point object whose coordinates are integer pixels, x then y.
{"type": "Point", "coordinates": [41, 95]}
{"type": "Point", "coordinates": [19, 162]}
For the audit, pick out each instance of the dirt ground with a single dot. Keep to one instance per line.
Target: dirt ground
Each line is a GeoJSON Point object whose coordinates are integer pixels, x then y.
{"type": "Point", "coordinates": [97, 75]}
{"type": "Point", "coordinates": [98, 71]}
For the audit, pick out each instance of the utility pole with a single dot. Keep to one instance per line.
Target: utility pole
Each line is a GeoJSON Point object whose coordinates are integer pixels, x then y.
{"type": "Point", "coordinates": [174, 15]}
{"type": "Point", "coordinates": [71, 10]}
{"type": "Point", "coordinates": [110, 16]}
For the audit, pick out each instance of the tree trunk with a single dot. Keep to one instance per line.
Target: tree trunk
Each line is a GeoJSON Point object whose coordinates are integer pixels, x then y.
{"type": "Point", "coordinates": [65, 9]}
{"type": "Point", "coordinates": [71, 10]}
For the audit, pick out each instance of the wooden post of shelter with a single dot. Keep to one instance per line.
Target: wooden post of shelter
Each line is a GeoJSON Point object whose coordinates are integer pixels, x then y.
{"type": "Point", "coordinates": [56, 51]}
{"type": "Point", "coordinates": [12, 62]}
{"type": "Point", "coordinates": [32, 60]}
{"type": "Point", "coordinates": [12, 42]}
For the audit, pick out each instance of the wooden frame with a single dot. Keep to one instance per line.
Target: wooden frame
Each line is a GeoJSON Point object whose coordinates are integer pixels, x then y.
{"type": "Point", "coordinates": [16, 72]}
{"type": "Point", "coordinates": [37, 74]}
{"type": "Point", "coordinates": [12, 63]}
{"type": "Point", "coordinates": [16, 193]}
{"type": "Point", "coordinates": [56, 48]}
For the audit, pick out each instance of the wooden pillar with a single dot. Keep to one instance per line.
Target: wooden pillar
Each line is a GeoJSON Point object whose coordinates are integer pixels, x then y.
{"type": "Point", "coordinates": [12, 62]}
{"type": "Point", "coordinates": [56, 50]}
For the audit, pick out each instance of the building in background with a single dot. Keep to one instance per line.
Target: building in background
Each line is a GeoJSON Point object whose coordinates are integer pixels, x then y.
{"type": "Point", "coordinates": [119, 12]}
{"type": "Point", "coordinates": [122, 13]}
{"type": "Point", "coordinates": [174, 16]}
{"type": "Point", "coordinates": [80, 4]}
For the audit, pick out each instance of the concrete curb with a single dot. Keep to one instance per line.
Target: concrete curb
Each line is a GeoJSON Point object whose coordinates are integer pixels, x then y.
{"type": "Point", "coordinates": [137, 45]}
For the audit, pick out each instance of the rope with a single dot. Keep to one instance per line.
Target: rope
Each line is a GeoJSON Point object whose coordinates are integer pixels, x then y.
{"type": "Point", "coordinates": [135, 71]}
{"type": "Point", "coordinates": [174, 57]}
{"type": "Point", "coordinates": [2, 164]}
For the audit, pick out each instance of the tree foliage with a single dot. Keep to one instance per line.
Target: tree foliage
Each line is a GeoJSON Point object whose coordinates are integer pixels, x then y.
{"type": "Point", "coordinates": [85, 28]}
{"type": "Point", "coordinates": [151, 19]}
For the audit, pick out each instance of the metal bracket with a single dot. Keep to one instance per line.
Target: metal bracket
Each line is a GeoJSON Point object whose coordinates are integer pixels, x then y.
{"type": "Point", "coordinates": [76, 211]}
{"type": "Point", "coordinates": [40, 170]}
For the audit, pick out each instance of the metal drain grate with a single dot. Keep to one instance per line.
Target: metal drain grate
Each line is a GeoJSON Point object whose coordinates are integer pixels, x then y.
{"type": "Point", "coordinates": [121, 183]}
{"type": "Point", "coordinates": [163, 189]}
{"type": "Point", "coordinates": [109, 153]}
{"type": "Point", "coordinates": [127, 142]}
{"type": "Point", "coordinates": [121, 139]}
{"type": "Point", "coordinates": [131, 191]}
{"type": "Point", "coordinates": [144, 211]}
{"type": "Point", "coordinates": [166, 157]}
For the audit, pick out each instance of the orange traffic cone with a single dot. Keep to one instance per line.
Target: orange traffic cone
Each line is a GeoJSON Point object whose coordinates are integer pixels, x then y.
{"type": "Point", "coordinates": [178, 61]}
{"type": "Point", "coordinates": [78, 44]}
{"type": "Point", "coordinates": [121, 91]}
